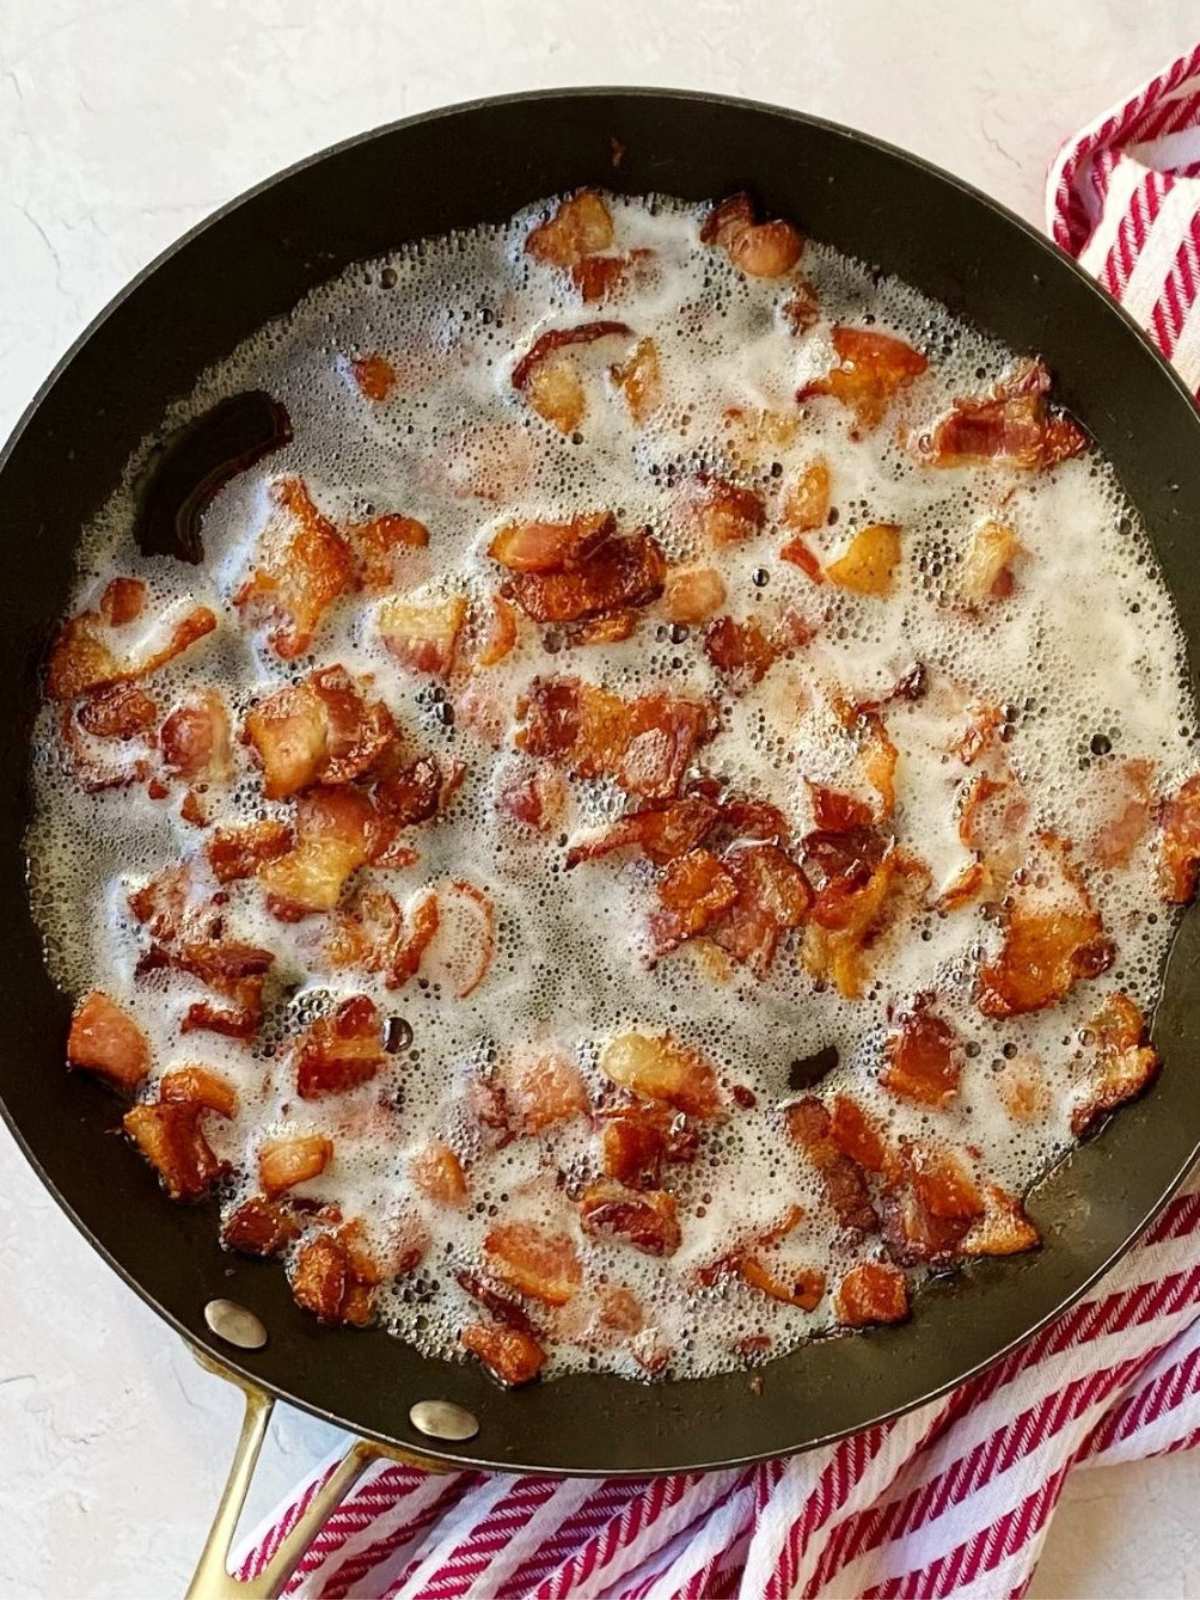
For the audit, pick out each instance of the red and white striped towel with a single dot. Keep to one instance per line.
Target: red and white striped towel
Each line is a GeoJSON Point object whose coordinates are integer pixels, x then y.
{"type": "Point", "coordinates": [955, 1498]}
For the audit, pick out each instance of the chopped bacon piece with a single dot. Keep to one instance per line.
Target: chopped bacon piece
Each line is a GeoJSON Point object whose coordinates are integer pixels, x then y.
{"type": "Point", "coordinates": [1051, 941]}
{"type": "Point", "coordinates": [197, 1086]}
{"type": "Point", "coordinates": [664, 1070]}
{"type": "Point", "coordinates": [334, 1276]}
{"type": "Point", "coordinates": [121, 712]}
{"type": "Point", "coordinates": [375, 376]}
{"type": "Point", "coordinates": [551, 546]}
{"type": "Point", "coordinates": [596, 277]}
{"type": "Point", "coordinates": [803, 310]}
{"type": "Point", "coordinates": [534, 1260]}
{"type": "Point", "coordinates": [374, 934]}
{"type": "Point", "coordinates": [647, 1220]}
{"type": "Point", "coordinates": [304, 566]}
{"type": "Point", "coordinates": [556, 392]}
{"type": "Point", "coordinates": [501, 638]}
{"type": "Point", "coordinates": [557, 339]}
{"type": "Point", "coordinates": [609, 629]}
{"type": "Point", "coordinates": [195, 739]}
{"type": "Point", "coordinates": [341, 1051]}
{"type": "Point", "coordinates": [239, 852]}
{"type": "Point", "coordinates": [123, 601]}
{"type": "Point", "coordinates": [1130, 816]}
{"type": "Point", "coordinates": [879, 758]}
{"type": "Point", "coordinates": [871, 1292]}
{"type": "Point", "coordinates": [982, 732]}
{"type": "Point", "coordinates": [337, 831]}
{"type": "Point", "coordinates": [811, 1127]}
{"type": "Point", "coordinates": [1004, 1229]}
{"type": "Point", "coordinates": [615, 575]}
{"type": "Point", "coordinates": [1125, 1062]}
{"type": "Point", "coordinates": [537, 799]}
{"type": "Point", "coordinates": [161, 904]}
{"type": "Point", "coordinates": [512, 1357]}
{"type": "Point", "coordinates": [662, 833]}
{"type": "Point", "coordinates": [235, 971]}
{"type": "Point", "coordinates": [757, 434]}
{"type": "Point", "coordinates": [739, 648]}
{"type": "Point", "coordinates": [724, 514]}
{"type": "Point", "coordinates": [1013, 425]}
{"type": "Point", "coordinates": [284, 1163]}
{"type": "Point", "coordinates": [322, 730]}
{"type": "Point", "coordinates": [693, 594]}
{"type": "Point", "coordinates": [503, 1308]}
{"type": "Point", "coordinates": [834, 811]}
{"type": "Point", "coordinates": [871, 368]}
{"type": "Point", "coordinates": [82, 662]}
{"type": "Point", "coordinates": [581, 226]}
{"type": "Point", "coordinates": [1180, 863]}
{"type": "Point", "coordinates": [172, 1141]}
{"type": "Point", "coordinates": [846, 915]}
{"type": "Point", "coordinates": [941, 1181]}
{"type": "Point", "coordinates": [857, 1134]}
{"type": "Point", "coordinates": [541, 1089]}
{"type": "Point", "coordinates": [773, 896]}
{"type": "Point", "coordinates": [924, 1057]}
{"type": "Point", "coordinates": [423, 637]}
{"type": "Point", "coordinates": [639, 377]}
{"type": "Point", "coordinates": [694, 892]}
{"type": "Point", "coordinates": [637, 1140]}
{"type": "Point", "coordinates": [438, 1173]}
{"type": "Point", "coordinates": [916, 1231]}
{"type": "Point", "coordinates": [794, 1286]}
{"type": "Point", "coordinates": [259, 1227]}
{"type": "Point", "coordinates": [762, 249]}
{"type": "Point", "coordinates": [987, 571]}
{"type": "Point", "coordinates": [105, 1039]}
{"type": "Point", "coordinates": [380, 544]}
{"type": "Point", "coordinates": [460, 949]}
{"type": "Point", "coordinates": [869, 562]}
{"type": "Point", "coordinates": [1022, 1088]}
{"type": "Point", "coordinates": [807, 502]}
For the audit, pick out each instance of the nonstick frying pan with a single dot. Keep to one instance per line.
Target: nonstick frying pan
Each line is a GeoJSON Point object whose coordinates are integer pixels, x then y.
{"type": "Point", "coordinates": [253, 261]}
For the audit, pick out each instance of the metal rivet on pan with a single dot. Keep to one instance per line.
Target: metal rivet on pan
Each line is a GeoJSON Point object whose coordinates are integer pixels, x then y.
{"type": "Point", "coordinates": [235, 1324]}
{"type": "Point", "coordinates": [442, 1419]}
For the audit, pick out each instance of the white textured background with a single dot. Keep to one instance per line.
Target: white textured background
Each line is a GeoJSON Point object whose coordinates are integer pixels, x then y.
{"type": "Point", "coordinates": [122, 122]}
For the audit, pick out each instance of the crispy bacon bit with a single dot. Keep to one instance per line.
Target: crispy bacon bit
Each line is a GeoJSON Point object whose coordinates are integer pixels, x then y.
{"type": "Point", "coordinates": [847, 913]}
{"type": "Point", "coordinates": [259, 1227]}
{"type": "Point", "coordinates": [537, 799]}
{"type": "Point", "coordinates": [239, 852]}
{"type": "Point", "coordinates": [1022, 1088]}
{"type": "Point", "coordinates": [1125, 1062]}
{"type": "Point", "coordinates": [1180, 863]}
{"type": "Point", "coordinates": [341, 1051]}
{"type": "Point", "coordinates": [924, 1057]}
{"type": "Point", "coordinates": [694, 892]}
{"type": "Point", "coordinates": [161, 904]}
{"type": "Point", "coordinates": [773, 896]}
{"type": "Point", "coordinates": [871, 368]}
{"type": "Point", "coordinates": [646, 744]}
{"type": "Point", "coordinates": [803, 310]}
{"type": "Point", "coordinates": [639, 377]}
{"type": "Point", "coordinates": [337, 831]}
{"type": "Point", "coordinates": [807, 503]}
{"type": "Point", "coordinates": [1014, 425]}
{"type": "Point", "coordinates": [438, 1173]}
{"type": "Point", "coordinates": [121, 712]}
{"type": "Point", "coordinates": [581, 226]}
{"type": "Point", "coordinates": [501, 637]}
{"type": "Point", "coordinates": [879, 758]}
{"type": "Point", "coordinates": [793, 1285]}
{"type": "Point", "coordinates": [982, 732]}
{"type": "Point", "coordinates": [535, 1261]}
{"type": "Point", "coordinates": [857, 1134]}
{"type": "Point", "coordinates": [647, 1220]}
{"type": "Point", "coordinates": [1130, 815]}
{"type": "Point", "coordinates": [284, 1163]}
{"type": "Point", "coordinates": [556, 339]}
{"type": "Point", "coordinates": [334, 1276]}
{"type": "Point", "coordinates": [739, 648]}
{"type": "Point", "coordinates": [1051, 941]}
{"type": "Point", "coordinates": [834, 811]}
{"type": "Point", "coordinates": [374, 934]}
{"type": "Point", "coordinates": [512, 1357]}
{"type": "Point", "coordinates": [105, 1039]}
{"type": "Point", "coordinates": [195, 739]}
{"type": "Point", "coordinates": [556, 393]}
{"type": "Point", "coordinates": [551, 546]}
{"type": "Point", "coordinates": [123, 601]}
{"type": "Point", "coordinates": [757, 434]}
{"type": "Point", "coordinates": [811, 1127]}
{"type": "Point", "coordinates": [761, 250]}
{"type": "Point", "coordinates": [610, 629]}
{"type": "Point", "coordinates": [596, 277]}
{"type": "Point", "coordinates": [616, 575]}
{"type": "Point", "coordinates": [692, 595]}
{"type": "Point", "coordinates": [724, 514]}
{"type": "Point", "coordinates": [233, 970]}
{"type": "Point", "coordinates": [662, 833]}
{"type": "Point", "coordinates": [172, 1141]}
{"type": "Point", "coordinates": [541, 1089]}
{"type": "Point", "coordinates": [503, 1308]}
{"type": "Point", "coordinates": [459, 952]}
{"type": "Point", "coordinates": [798, 553]}
{"type": "Point", "coordinates": [304, 565]}
{"type": "Point", "coordinates": [423, 637]}
{"type": "Point", "coordinates": [871, 1292]}
{"type": "Point", "coordinates": [987, 571]}
{"type": "Point", "coordinates": [380, 543]}
{"type": "Point", "coordinates": [375, 376]}
{"type": "Point", "coordinates": [637, 1140]}
{"type": "Point", "coordinates": [81, 662]}
{"type": "Point", "coordinates": [1004, 1229]}
{"type": "Point", "coordinates": [323, 730]}
{"type": "Point", "coordinates": [662, 1069]}
{"type": "Point", "coordinates": [869, 562]}
{"type": "Point", "coordinates": [197, 1086]}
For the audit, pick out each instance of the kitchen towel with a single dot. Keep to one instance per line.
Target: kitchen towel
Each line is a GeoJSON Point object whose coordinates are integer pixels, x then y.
{"type": "Point", "coordinates": [956, 1497]}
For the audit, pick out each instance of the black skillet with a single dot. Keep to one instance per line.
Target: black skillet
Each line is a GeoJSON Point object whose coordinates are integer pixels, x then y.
{"type": "Point", "coordinates": [253, 261]}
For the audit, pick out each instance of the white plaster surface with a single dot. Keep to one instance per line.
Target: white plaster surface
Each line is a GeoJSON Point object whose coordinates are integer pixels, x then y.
{"type": "Point", "coordinates": [122, 122]}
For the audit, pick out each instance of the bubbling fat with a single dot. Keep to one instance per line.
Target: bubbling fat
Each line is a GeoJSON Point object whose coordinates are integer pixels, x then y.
{"type": "Point", "coordinates": [1087, 646]}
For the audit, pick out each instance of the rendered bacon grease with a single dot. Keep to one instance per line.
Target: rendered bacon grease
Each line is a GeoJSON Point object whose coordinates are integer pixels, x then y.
{"type": "Point", "coordinates": [656, 817]}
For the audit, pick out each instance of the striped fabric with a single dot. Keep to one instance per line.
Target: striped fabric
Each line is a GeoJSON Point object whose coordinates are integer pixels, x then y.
{"type": "Point", "coordinates": [955, 1498]}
